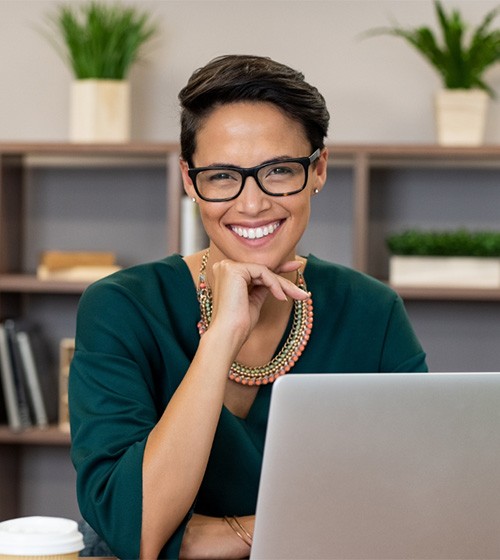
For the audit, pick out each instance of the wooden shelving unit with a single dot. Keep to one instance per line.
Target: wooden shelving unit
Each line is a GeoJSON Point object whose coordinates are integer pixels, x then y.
{"type": "Point", "coordinates": [365, 158]}
{"type": "Point", "coordinates": [17, 284]}
{"type": "Point", "coordinates": [35, 436]}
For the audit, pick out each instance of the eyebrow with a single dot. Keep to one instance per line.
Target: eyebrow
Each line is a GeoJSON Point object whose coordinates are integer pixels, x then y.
{"type": "Point", "coordinates": [271, 160]}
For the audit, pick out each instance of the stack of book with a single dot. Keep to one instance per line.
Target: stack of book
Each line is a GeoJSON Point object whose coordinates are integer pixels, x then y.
{"type": "Point", "coordinates": [25, 405]}
{"type": "Point", "coordinates": [78, 266]}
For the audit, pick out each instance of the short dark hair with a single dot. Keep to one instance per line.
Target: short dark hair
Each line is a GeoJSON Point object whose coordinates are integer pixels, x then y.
{"type": "Point", "coordinates": [235, 78]}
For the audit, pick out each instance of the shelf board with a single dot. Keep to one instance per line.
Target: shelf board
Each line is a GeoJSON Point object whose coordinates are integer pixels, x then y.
{"type": "Point", "coordinates": [415, 155]}
{"type": "Point", "coordinates": [26, 283]}
{"type": "Point", "coordinates": [384, 154]}
{"type": "Point", "coordinates": [68, 154]}
{"type": "Point", "coordinates": [73, 148]}
{"type": "Point", "coordinates": [35, 436]}
{"type": "Point", "coordinates": [448, 294]}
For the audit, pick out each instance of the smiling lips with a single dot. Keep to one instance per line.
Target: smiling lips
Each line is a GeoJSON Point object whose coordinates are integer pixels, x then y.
{"type": "Point", "coordinates": [256, 233]}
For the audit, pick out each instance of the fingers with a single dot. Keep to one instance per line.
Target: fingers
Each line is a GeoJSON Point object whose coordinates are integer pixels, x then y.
{"type": "Point", "coordinates": [240, 290]}
{"type": "Point", "coordinates": [259, 275]}
{"type": "Point", "coordinates": [280, 287]}
{"type": "Point", "coordinates": [292, 266]}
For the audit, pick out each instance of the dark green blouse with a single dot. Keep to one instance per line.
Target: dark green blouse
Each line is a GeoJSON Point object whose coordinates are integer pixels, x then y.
{"type": "Point", "coordinates": [136, 337]}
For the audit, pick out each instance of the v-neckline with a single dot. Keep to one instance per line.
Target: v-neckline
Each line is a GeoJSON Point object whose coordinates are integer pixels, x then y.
{"type": "Point", "coordinates": [259, 392]}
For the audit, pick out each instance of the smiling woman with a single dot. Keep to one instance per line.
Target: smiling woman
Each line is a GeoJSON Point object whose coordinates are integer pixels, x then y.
{"type": "Point", "coordinates": [171, 381]}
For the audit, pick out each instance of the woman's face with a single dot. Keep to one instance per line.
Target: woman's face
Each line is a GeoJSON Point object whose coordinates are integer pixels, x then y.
{"type": "Point", "coordinates": [245, 135]}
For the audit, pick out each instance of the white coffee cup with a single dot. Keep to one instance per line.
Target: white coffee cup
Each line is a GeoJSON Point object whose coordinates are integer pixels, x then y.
{"type": "Point", "coordinates": [40, 538]}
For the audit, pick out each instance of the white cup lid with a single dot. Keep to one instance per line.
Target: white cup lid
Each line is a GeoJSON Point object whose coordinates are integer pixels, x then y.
{"type": "Point", "coordinates": [40, 536]}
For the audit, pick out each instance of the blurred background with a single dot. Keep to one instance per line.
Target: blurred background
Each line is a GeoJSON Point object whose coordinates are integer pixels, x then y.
{"type": "Point", "coordinates": [377, 89]}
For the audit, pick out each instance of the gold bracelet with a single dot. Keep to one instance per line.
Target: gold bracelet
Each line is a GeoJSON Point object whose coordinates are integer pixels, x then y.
{"type": "Point", "coordinates": [242, 537]}
{"type": "Point", "coordinates": [240, 525]}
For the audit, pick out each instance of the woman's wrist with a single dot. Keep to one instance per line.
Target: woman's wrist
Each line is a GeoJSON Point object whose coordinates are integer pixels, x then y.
{"type": "Point", "coordinates": [226, 343]}
{"type": "Point", "coordinates": [212, 537]}
{"type": "Point", "coordinates": [241, 545]}
{"type": "Point", "coordinates": [239, 529]}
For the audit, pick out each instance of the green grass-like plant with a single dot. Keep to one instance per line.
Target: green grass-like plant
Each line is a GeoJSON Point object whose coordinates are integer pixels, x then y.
{"type": "Point", "coordinates": [460, 63]}
{"type": "Point", "coordinates": [456, 243]}
{"type": "Point", "coordinates": [99, 40]}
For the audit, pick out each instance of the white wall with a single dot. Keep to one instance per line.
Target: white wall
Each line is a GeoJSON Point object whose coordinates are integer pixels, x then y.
{"type": "Point", "coordinates": [377, 90]}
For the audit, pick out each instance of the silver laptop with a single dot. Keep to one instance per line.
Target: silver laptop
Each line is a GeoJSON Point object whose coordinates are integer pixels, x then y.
{"type": "Point", "coordinates": [381, 466]}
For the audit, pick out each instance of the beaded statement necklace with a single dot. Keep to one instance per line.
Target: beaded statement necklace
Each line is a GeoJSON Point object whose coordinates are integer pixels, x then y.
{"type": "Point", "coordinates": [287, 356]}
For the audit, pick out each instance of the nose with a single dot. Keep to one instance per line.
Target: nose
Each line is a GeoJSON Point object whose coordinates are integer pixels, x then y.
{"type": "Point", "coordinates": [252, 199]}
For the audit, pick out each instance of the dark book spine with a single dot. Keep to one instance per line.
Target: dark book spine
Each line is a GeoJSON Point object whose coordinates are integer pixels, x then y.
{"type": "Point", "coordinates": [18, 373]}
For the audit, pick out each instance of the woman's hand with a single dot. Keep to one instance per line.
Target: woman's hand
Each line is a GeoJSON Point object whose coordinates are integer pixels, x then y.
{"type": "Point", "coordinates": [211, 537]}
{"type": "Point", "coordinates": [240, 289]}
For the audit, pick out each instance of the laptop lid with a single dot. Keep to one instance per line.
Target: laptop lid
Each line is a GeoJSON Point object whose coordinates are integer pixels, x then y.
{"type": "Point", "coordinates": [379, 466]}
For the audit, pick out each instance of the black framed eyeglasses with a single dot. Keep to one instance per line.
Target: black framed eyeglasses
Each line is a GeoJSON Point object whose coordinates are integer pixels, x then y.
{"type": "Point", "coordinates": [277, 178]}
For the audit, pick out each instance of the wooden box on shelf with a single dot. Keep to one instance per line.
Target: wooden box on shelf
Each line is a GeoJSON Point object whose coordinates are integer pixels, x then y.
{"type": "Point", "coordinates": [67, 349]}
{"type": "Point", "coordinates": [78, 266]}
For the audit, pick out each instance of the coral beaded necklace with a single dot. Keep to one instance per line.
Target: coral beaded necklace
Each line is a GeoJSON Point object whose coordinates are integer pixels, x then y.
{"type": "Point", "coordinates": [286, 357]}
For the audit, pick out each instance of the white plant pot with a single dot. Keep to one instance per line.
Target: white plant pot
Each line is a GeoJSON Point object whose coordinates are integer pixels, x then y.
{"type": "Point", "coordinates": [461, 116]}
{"type": "Point", "coordinates": [444, 272]}
{"type": "Point", "coordinates": [100, 111]}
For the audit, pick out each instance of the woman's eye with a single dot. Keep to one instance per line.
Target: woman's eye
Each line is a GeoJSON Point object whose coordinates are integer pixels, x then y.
{"type": "Point", "coordinates": [222, 176]}
{"type": "Point", "coordinates": [281, 170]}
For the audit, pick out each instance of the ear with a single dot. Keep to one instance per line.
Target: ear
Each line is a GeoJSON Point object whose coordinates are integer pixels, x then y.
{"type": "Point", "coordinates": [186, 180]}
{"type": "Point", "coordinates": [319, 172]}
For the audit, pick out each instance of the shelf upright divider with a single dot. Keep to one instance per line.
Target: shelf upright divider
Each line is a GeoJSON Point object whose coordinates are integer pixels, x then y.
{"type": "Point", "coordinates": [11, 228]}
{"type": "Point", "coordinates": [11, 223]}
{"type": "Point", "coordinates": [10, 487]}
{"type": "Point", "coordinates": [361, 210]}
{"type": "Point", "coordinates": [174, 195]}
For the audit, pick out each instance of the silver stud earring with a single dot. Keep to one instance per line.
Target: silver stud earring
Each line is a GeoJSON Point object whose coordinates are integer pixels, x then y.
{"type": "Point", "coordinates": [316, 191]}
{"type": "Point", "coordinates": [193, 199]}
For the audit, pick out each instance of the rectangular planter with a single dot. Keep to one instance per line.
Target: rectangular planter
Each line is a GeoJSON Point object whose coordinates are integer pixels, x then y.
{"type": "Point", "coordinates": [461, 117]}
{"type": "Point", "coordinates": [100, 111]}
{"type": "Point", "coordinates": [444, 272]}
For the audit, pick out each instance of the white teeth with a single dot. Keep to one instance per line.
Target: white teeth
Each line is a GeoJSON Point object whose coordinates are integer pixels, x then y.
{"type": "Point", "coordinates": [256, 233]}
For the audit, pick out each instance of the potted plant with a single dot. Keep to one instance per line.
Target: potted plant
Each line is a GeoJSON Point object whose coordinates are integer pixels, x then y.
{"type": "Point", "coordinates": [99, 42]}
{"type": "Point", "coordinates": [461, 58]}
{"type": "Point", "coordinates": [457, 258]}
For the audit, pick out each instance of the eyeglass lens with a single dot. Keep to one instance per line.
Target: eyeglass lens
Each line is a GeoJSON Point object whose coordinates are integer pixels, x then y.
{"type": "Point", "coordinates": [276, 178]}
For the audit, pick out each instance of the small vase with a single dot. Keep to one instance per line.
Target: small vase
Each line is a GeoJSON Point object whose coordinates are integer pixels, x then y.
{"type": "Point", "coordinates": [461, 116]}
{"type": "Point", "coordinates": [100, 111]}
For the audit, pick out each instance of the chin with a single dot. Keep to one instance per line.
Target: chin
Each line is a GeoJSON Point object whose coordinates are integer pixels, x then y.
{"type": "Point", "coordinates": [269, 259]}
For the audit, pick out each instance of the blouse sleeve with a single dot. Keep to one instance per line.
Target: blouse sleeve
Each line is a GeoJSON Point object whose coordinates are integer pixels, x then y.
{"type": "Point", "coordinates": [401, 350]}
{"type": "Point", "coordinates": [113, 408]}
